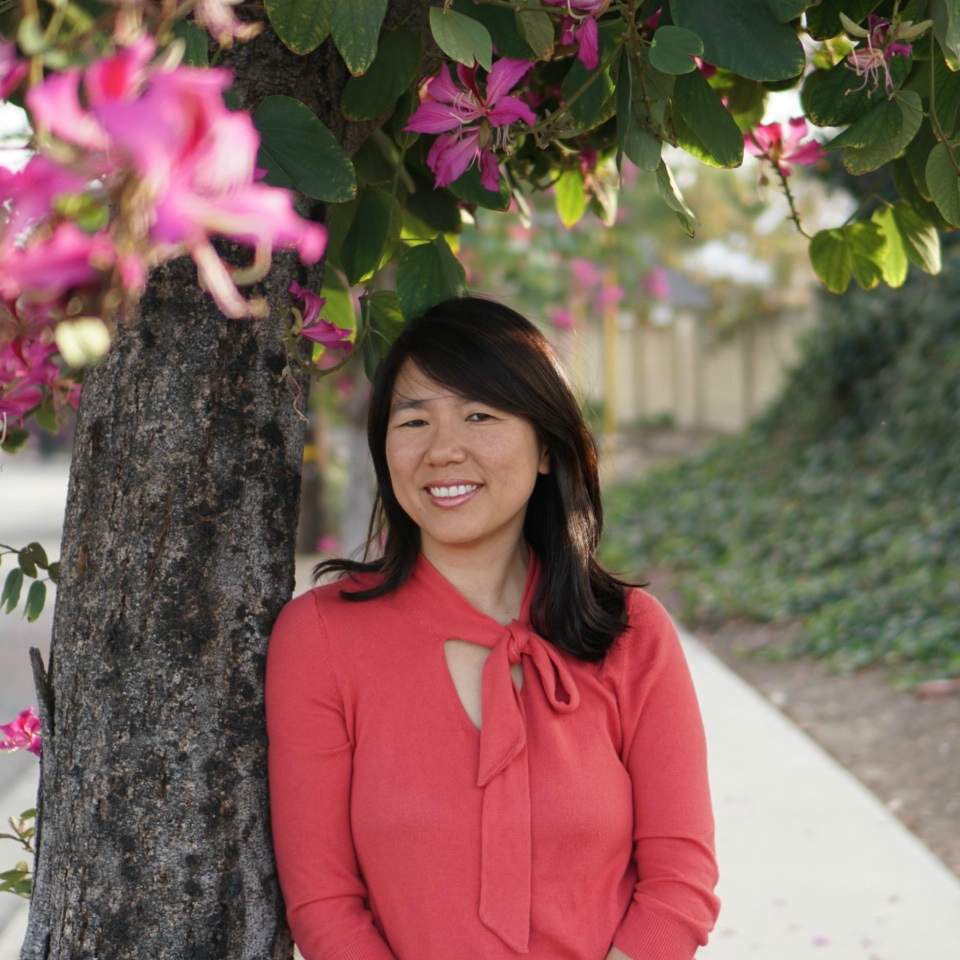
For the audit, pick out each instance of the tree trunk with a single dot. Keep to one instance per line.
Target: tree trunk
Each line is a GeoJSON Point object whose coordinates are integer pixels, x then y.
{"type": "Point", "coordinates": [177, 555]}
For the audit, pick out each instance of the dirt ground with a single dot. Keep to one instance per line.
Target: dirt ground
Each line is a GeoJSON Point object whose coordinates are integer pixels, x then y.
{"type": "Point", "coordinates": [903, 747]}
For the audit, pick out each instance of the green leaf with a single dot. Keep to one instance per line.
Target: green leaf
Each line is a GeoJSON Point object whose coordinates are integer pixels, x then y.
{"type": "Point", "coordinates": [944, 184]}
{"type": "Point", "coordinates": [823, 18]}
{"type": "Point", "coordinates": [743, 36]}
{"type": "Point", "coordinates": [895, 264]}
{"type": "Point", "coordinates": [856, 250]}
{"type": "Point", "coordinates": [704, 127]}
{"type": "Point", "coordinates": [907, 188]}
{"type": "Point", "coordinates": [635, 130]}
{"type": "Point", "coordinates": [372, 236]}
{"type": "Point", "coordinates": [671, 195]}
{"type": "Point", "coordinates": [301, 24]}
{"type": "Point", "coordinates": [339, 309]}
{"type": "Point", "coordinates": [392, 71]}
{"type": "Point", "coordinates": [14, 439]}
{"type": "Point", "coordinates": [746, 100]}
{"type": "Point", "coordinates": [438, 210]}
{"type": "Point", "coordinates": [946, 97]}
{"type": "Point", "coordinates": [300, 153]}
{"type": "Point", "coordinates": [386, 321]}
{"type": "Point", "coordinates": [36, 553]}
{"type": "Point", "coordinates": [921, 240]}
{"type": "Point", "coordinates": [674, 48]}
{"type": "Point", "coordinates": [46, 417]}
{"type": "Point", "coordinates": [537, 29]}
{"type": "Point", "coordinates": [597, 102]}
{"type": "Point", "coordinates": [570, 197]}
{"type": "Point", "coordinates": [831, 98]}
{"type": "Point", "coordinates": [54, 571]}
{"type": "Point", "coordinates": [11, 589]}
{"type": "Point", "coordinates": [427, 275]}
{"type": "Point", "coordinates": [905, 116]}
{"type": "Point", "coordinates": [946, 28]}
{"type": "Point", "coordinates": [25, 559]}
{"type": "Point", "coordinates": [787, 10]}
{"type": "Point", "coordinates": [468, 187]}
{"type": "Point", "coordinates": [36, 596]}
{"type": "Point", "coordinates": [196, 41]}
{"type": "Point", "coordinates": [916, 156]}
{"type": "Point", "coordinates": [355, 26]}
{"type": "Point", "coordinates": [503, 26]}
{"type": "Point", "coordinates": [461, 38]}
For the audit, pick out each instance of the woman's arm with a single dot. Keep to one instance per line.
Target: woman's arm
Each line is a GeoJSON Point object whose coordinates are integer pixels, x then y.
{"type": "Point", "coordinates": [310, 764]}
{"type": "Point", "coordinates": [673, 907]}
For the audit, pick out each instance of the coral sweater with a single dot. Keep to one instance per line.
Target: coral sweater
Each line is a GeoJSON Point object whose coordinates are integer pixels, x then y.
{"type": "Point", "coordinates": [576, 817]}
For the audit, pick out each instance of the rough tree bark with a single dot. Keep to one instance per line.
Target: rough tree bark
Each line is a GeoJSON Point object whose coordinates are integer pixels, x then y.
{"type": "Point", "coordinates": [177, 555]}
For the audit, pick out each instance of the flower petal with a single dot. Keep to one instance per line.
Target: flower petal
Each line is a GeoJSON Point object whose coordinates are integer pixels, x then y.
{"type": "Point", "coordinates": [504, 76]}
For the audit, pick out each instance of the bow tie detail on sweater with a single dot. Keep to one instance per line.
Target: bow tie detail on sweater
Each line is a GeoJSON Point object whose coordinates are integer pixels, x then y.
{"type": "Point", "coordinates": [504, 776]}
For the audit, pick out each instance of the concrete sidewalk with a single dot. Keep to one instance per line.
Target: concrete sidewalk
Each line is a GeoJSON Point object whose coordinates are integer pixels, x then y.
{"type": "Point", "coordinates": [812, 865]}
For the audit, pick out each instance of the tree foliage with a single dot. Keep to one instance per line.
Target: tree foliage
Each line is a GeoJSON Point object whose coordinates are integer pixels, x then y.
{"type": "Point", "coordinates": [593, 84]}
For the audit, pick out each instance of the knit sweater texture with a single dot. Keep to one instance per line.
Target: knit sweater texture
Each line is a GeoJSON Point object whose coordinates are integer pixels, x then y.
{"type": "Point", "coordinates": [578, 815]}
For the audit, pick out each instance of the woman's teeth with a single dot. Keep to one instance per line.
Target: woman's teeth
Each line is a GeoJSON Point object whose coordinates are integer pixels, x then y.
{"type": "Point", "coordinates": [457, 491]}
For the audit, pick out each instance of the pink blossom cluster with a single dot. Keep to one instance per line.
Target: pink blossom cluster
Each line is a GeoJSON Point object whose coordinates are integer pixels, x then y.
{"type": "Point", "coordinates": [22, 733]}
{"type": "Point", "coordinates": [473, 117]}
{"type": "Point", "coordinates": [139, 161]}
{"type": "Point", "coordinates": [28, 376]}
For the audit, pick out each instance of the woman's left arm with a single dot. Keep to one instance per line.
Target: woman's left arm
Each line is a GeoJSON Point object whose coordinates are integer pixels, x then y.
{"type": "Point", "coordinates": [673, 907]}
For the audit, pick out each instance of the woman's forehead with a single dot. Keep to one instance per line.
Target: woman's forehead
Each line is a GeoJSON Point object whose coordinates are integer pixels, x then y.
{"type": "Point", "coordinates": [414, 388]}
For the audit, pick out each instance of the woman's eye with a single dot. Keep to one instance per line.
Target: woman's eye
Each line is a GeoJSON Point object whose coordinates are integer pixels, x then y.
{"type": "Point", "coordinates": [412, 423]}
{"type": "Point", "coordinates": [479, 417]}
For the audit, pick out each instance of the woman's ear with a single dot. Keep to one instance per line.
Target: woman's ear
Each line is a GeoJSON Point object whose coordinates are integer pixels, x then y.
{"type": "Point", "coordinates": [544, 465]}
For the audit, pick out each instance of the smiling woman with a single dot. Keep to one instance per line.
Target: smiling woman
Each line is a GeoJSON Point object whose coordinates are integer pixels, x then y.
{"type": "Point", "coordinates": [482, 744]}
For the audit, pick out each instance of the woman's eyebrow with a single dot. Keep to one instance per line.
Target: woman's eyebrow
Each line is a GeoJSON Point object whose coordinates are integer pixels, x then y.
{"type": "Point", "coordinates": [418, 403]}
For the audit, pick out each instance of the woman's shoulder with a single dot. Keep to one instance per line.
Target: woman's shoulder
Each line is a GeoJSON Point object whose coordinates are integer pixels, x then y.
{"type": "Point", "coordinates": [650, 636]}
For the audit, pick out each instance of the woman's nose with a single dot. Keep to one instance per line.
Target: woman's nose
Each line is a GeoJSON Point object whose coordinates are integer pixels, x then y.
{"type": "Point", "coordinates": [446, 446]}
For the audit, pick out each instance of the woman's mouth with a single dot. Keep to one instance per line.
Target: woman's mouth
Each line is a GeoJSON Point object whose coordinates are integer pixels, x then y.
{"type": "Point", "coordinates": [452, 495]}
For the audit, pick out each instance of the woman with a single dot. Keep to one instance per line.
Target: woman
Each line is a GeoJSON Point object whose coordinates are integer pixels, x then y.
{"type": "Point", "coordinates": [483, 745]}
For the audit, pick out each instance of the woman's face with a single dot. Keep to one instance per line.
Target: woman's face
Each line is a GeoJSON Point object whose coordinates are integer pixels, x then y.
{"type": "Point", "coordinates": [462, 470]}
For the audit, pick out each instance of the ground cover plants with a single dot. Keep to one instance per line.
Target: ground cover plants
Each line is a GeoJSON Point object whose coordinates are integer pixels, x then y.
{"type": "Point", "coordinates": [839, 510]}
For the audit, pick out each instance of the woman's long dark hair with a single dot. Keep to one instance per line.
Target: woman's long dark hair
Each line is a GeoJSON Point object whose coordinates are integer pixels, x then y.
{"type": "Point", "coordinates": [485, 351]}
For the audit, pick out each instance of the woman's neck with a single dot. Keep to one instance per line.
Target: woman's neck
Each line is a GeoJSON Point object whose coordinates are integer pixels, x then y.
{"type": "Point", "coordinates": [493, 584]}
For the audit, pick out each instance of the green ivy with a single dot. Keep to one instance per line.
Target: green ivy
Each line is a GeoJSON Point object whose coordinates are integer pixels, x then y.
{"type": "Point", "coordinates": [838, 510]}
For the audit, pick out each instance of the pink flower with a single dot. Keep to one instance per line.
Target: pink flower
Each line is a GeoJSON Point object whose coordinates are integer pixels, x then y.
{"type": "Point", "coordinates": [27, 373]}
{"type": "Point", "coordinates": [585, 273]}
{"type": "Point", "coordinates": [218, 18]}
{"type": "Point", "coordinates": [580, 27]}
{"type": "Point", "coordinates": [12, 69]}
{"type": "Point", "coordinates": [767, 141]}
{"type": "Point", "coordinates": [885, 39]}
{"type": "Point", "coordinates": [34, 192]}
{"type": "Point", "coordinates": [178, 164]}
{"type": "Point", "coordinates": [481, 117]}
{"type": "Point", "coordinates": [657, 282]}
{"type": "Point", "coordinates": [312, 302]}
{"type": "Point", "coordinates": [610, 295]}
{"type": "Point", "coordinates": [53, 263]}
{"type": "Point", "coordinates": [562, 318]}
{"type": "Point", "coordinates": [22, 733]}
{"type": "Point", "coordinates": [315, 329]}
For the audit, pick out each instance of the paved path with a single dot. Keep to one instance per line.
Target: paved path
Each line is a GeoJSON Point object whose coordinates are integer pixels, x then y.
{"type": "Point", "coordinates": [813, 866]}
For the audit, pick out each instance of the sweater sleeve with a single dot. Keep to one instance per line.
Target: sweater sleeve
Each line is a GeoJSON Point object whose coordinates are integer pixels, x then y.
{"type": "Point", "coordinates": [673, 907]}
{"type": "Point", "coordinates": [310, 759]}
